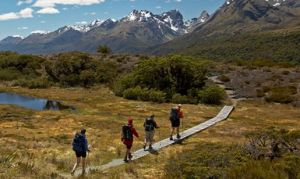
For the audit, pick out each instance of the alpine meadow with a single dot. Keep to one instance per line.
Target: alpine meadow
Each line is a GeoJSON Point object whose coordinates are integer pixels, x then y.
{"type": "Point", "coordinates": [150, 89]}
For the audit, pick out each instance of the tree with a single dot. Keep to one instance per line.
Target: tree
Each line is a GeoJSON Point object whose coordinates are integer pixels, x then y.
{"type": "Point", "coordinates": [104, 49]}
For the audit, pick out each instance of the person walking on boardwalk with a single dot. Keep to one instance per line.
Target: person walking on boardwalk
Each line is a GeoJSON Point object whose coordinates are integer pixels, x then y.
{"type": "Point", "coordinates": [128, 131]}
{"type": "Point", "coordinates": [150, 125]}
{"type": "Point", "coordinates": [176, 115]}
{"type": "Point", "coordinates": [80, 147]}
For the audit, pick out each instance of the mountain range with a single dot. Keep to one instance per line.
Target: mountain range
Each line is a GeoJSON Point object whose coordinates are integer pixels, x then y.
{"type": "Point", "coordinates": [133, 33]}
{"type": "Point", "coordinates": [145, 32]}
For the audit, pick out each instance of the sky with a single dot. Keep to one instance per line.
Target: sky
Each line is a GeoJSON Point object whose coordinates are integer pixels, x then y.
{"type": "Point", "coordinates": [22, 17]}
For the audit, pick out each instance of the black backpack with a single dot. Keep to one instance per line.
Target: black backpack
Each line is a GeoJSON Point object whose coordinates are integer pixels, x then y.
{"type": "Point", "coordinates": [78, 143]}
{"type": "Point", "coordinates": [149, 124]}
{"type": "Point", "coordinates": [174, 115]}
{"type": "Point", "coordinates": [127, 134]}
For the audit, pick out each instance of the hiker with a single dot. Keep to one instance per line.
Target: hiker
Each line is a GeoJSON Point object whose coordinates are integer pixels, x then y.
{"type": "Point", "coordinates": [150, 125]}
{"type": "Point", "coordinates": [127, 138]}
{"type": "Point", "coordinates": [80, 146]}
{"type": "Point", "coordinates": [176, 115]}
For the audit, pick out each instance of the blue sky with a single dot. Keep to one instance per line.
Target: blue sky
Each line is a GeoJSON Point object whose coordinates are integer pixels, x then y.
{"type": "Point", "coordinates": [21, 17]}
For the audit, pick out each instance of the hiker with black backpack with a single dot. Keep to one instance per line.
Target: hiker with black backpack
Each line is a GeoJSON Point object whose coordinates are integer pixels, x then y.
{"type": "Point", "coordinates": [80, 147]}
{"type": "Point", "coordinates": [150, 125]}
{"type": "Point", "coordinates": [128, 131]}
{"type": "Point", "coordinates": [176, 115]}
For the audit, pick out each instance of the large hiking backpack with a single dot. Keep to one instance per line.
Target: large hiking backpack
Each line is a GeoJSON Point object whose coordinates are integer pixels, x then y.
{"type": "Point", "coordinates": [149, 124]}
{"type": "Point", "coordinates": [174, 115]}
{"type": "Point", "coordinates": [78, 143]}
{"type": "Point", "coordinates": [127, 133]}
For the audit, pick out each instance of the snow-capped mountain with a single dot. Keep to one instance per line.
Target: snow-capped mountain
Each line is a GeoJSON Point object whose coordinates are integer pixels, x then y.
{"type": "Point", "coordinates": [196, 22]}
{"type": "Point", "coordinates": [237, 18]}
{"type": "Point", "coordinates": [138, 30]}
{"type": "Point", "coordinates": [271, 2]}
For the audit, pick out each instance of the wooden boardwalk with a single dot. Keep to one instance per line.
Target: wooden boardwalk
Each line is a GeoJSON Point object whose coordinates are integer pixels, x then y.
{"type": "Point", "coordinates": [222, 115]}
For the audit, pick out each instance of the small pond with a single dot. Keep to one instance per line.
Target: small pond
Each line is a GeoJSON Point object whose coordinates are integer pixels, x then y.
{"type": "Point", "coordinates": [32, 103]}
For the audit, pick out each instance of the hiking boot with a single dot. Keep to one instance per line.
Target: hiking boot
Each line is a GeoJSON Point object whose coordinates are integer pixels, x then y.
{"type": "Point", "coordinates": [130, 156]}
{"type": "Point", "coordinates": [150, 147]}
{"type": "Point", "coordinates": [144, 147]}
{"type": "Point", "coordinates": [125, 160]}
{"type": "Point", "coordinates": [178, 136]}
{"type": "Point", "coordinates": [171, 137]}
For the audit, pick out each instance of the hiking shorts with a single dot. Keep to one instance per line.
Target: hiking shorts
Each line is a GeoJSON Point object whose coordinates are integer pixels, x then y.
{"type": "Point", "coordinates": [80, 154]}
{"type": "Point", "coordinates": [175, 123]}
{"type": "Point", "coordinates": [128, 143]}
{"type": "Point", "coordinates": [149, 136]}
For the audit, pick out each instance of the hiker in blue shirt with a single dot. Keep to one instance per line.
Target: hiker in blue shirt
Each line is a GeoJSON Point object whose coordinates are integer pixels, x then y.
{"type": "Point", "coordinates": [80, 147]}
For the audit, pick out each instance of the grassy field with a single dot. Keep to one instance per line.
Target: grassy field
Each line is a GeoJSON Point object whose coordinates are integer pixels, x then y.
{"type": "Point", "coordinates": [37, 144]}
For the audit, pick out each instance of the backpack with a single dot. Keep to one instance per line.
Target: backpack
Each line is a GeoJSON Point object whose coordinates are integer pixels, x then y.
{"type": "Point", "coordinates": [127, 133]}
{"type": "Point", "coordinates": [149, 126]}
{"type": "Point", "coordinates": [78, 143]}
{"type": "Point", "coordinates": [174, 115]}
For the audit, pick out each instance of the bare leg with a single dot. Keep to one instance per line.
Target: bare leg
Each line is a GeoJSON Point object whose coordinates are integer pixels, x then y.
{"type": "Point", "coordinates": [126, 155]}
{"type": "Point", "coordinates": [83, 166]}
{"type": "Point", "coordinates": [129, 154]}
{"type": "Point", "coordinates": [75, 166]}
{"type": "Point", "coordinates": [171, 135]}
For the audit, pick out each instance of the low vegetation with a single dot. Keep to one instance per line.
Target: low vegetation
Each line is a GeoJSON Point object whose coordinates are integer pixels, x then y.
{"type": "Point", "coordinates": [175, 78]}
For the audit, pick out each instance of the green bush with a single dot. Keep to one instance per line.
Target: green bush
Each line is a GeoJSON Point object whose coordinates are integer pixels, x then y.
{"type": "Point", "coordinates": [178, 98]}
{"type": "Point", "coordinates": [157, 96]}
{"type": "Point", "coordinates": [79, 69]}
{"type": "Point", "coordinates": [9, 75]}
{"type": "Point", "coordinates": [281, 94]}
{"type": "Point", "coordinates": [34, 83]}
{"type": "Point", "coordinates": [170, 75]}
{"type": "Point", "coordinates": [138, 93]}
{"type": "Point", "coordinates": [224, 78]}
{"type": "Point", "coordinates": [212, 95]}
{"type": "Point", "coordinates": [134, 93]}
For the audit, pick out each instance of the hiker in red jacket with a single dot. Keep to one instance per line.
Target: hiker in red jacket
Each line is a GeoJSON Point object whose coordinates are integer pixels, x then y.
{"type": "Point", "coordinates": [127, 138]}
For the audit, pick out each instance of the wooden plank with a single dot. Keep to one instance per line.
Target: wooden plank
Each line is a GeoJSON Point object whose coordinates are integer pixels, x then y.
{"type": "Point", "coordinates": [222, 115]}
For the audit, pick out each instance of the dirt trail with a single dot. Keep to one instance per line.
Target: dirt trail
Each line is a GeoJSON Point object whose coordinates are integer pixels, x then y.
{"type": "Point", "coordinates": [230, 92]}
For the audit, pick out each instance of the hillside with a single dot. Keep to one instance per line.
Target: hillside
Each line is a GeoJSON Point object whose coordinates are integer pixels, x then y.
{"type": "Point", "coordinates": [244, 29]}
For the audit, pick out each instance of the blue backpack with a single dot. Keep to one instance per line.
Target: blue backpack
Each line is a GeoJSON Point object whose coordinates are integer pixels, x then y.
{"type": "Point", "coordinates": [79, 143]}
{"type": "Point", "coordinates": [174, 115]}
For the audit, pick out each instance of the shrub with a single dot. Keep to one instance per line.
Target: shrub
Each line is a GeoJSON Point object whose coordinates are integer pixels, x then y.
{"type": "Point", "coordinates": [104, 49]}
{"type": "Point", "coordinates": [157, 96]}
{"type": "Point", "coordinates": [133, 93]}
{"type": "Point", "coordinates": [260, 93]}
{"type": "Point", "coordinates": [170, 75]}
{"type": "Point", "coordinates": [281, 94]}
{"type": "Point", "coordinates": [9, 75]}
{"type": "Point", "coordinates": [212, 95]}
{"type": "Point", "coordinates": [224, 78]}
{"type": "Point", "coordinates": [138, 93]}
{"type": "Point", "coordinates": [178, 98]}
{"type": "Point", "coordinates": [34, 83]}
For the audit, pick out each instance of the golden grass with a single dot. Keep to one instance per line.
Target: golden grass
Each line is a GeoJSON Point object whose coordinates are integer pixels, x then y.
{"type": "Point", "coordinates": [38, 143]}
{"type": "Point", "coordinates": [43, 138]}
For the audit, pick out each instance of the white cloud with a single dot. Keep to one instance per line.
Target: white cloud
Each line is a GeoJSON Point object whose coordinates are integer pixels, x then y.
{"type": "Point", "coordinates": [22, 28]}
{"type": "Point", "coordinates": [25, 13]}
{"type": "Point", "coordinates": [20, 2]}
{"type": "Point", "coordinates": [39, 32]}
{"type": "Point", "coordinates": [90, 13]}
{"type": "Point", "coordinates": [43, 22]}
{"type": "Point", "coordinates": [48, 10]}
{"type": "Point", "coordinates": [18, 36]}
{"type": "Point", "coordinates": [158, 7]}
{"type": "Point", "coordinates": [82, 23]}
{"type": "Point", "coordinates": [53, 3]}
